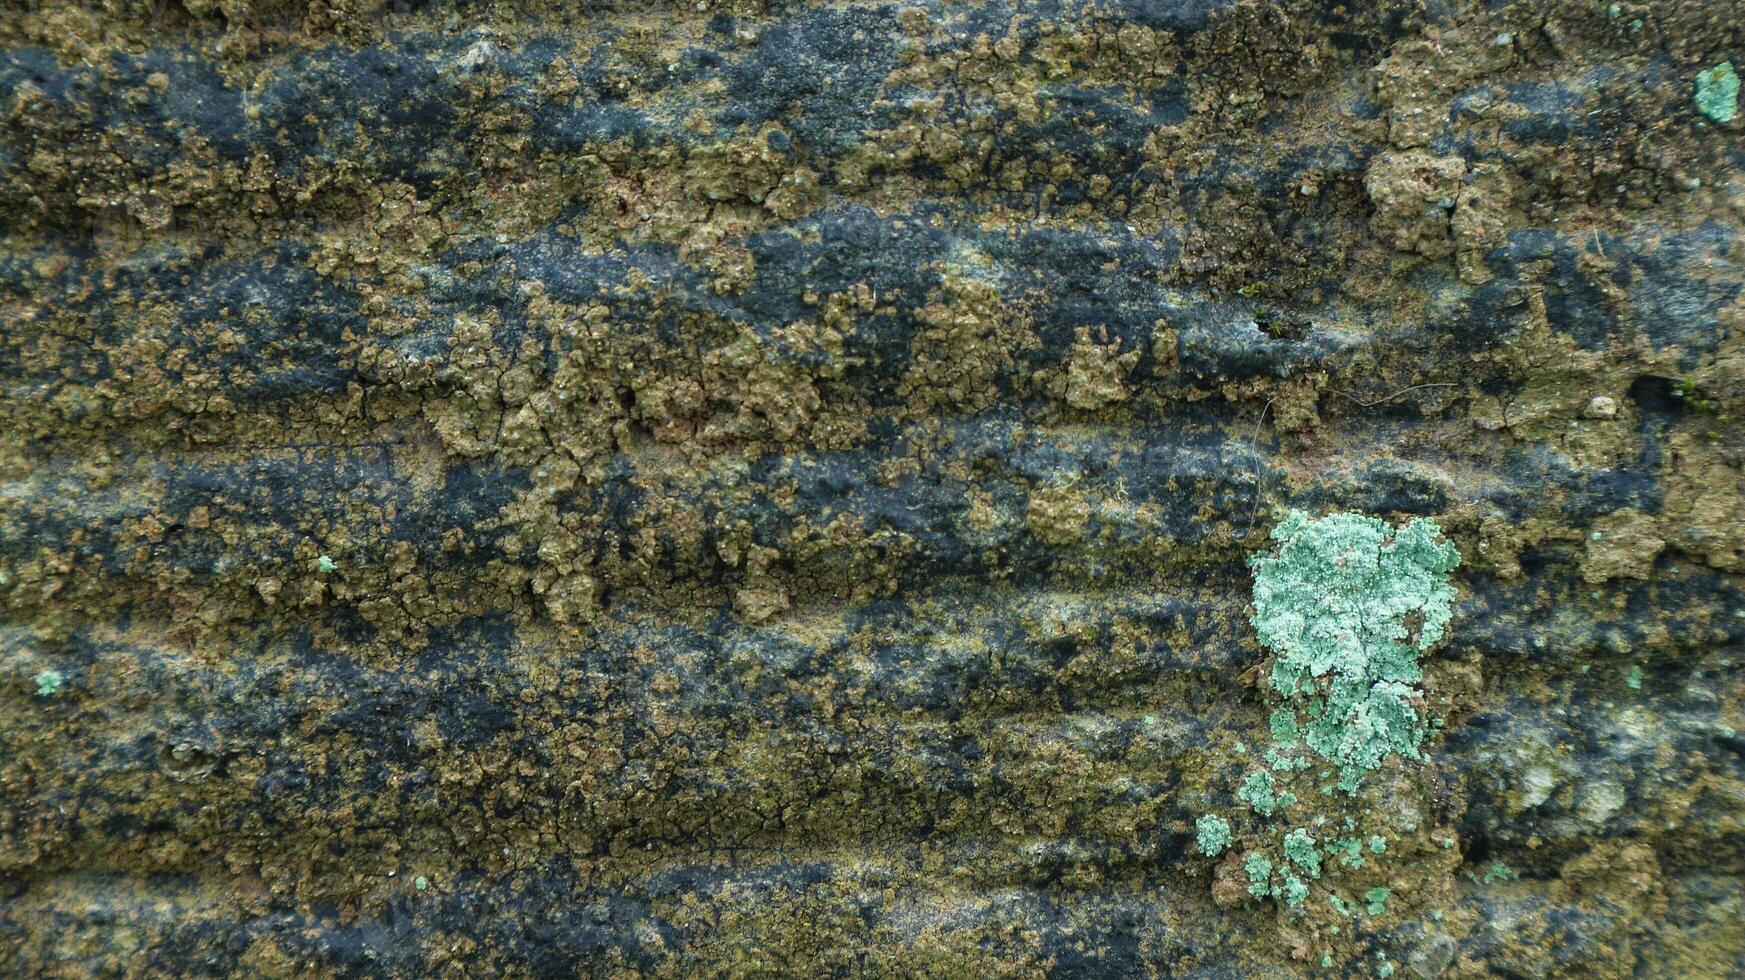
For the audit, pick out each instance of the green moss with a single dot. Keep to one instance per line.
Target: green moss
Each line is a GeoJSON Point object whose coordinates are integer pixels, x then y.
{"type": "Point", "coordinates": [48, 683]}
{"type": "Point", "coordinates": [1348, 604]}
{"type": "Point", "coordinates": [1213, 834]}
{"type": "Point", "coordinates": [1717, 92]}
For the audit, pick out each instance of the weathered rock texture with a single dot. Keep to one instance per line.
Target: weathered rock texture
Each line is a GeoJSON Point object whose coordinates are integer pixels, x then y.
{"type": "Point", "coordinates": [747, 489]}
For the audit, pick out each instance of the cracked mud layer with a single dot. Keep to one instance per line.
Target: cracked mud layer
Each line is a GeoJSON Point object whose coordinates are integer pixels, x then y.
{"type": "Point", "coordinates": [747, 488]}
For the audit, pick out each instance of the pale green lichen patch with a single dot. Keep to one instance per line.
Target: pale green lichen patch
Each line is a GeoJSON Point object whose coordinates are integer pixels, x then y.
{"type": "Point", "coordinates": [1279, 762]}
{"type": "Point", "coordinates": [48, 683]}
{"type": "Point", "coordinates": [1293, 891]}
{"type": "Point", "coordinates": [1260, 792]}
{"type": "Point", "coordinates": [1347, 604]}
{"type": "Point", "coordinates": [1212, 834]}
{"type": "Point", "coordinates": [1376, 900]}
{"type": "Point", "coordinates": [1284, 727]}
{"type": "Point", "coordinates": [1259, 869]}
{"type": "Point", "coordinates": [1299, 847]}
{"type": "Point", "coordinates": [1717, 92]}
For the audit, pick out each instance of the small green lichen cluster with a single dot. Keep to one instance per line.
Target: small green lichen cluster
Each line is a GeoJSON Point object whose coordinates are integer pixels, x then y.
{"type": "Point", "coordinates": [1303, 857]}
{"type": "Point", "coordinates": [1376, 900]}
{"type": "Point", "coordinates": [1259, 869]}
{"type": "Point", "coordinates": [1284, 728]}
{"type": "Point", "coordinates": [1347, 604]}
{"type": "Point", "coordinates": [1717, 92]}
{"type": "Point", "coordinates": [1292, 891]}
{"type": "Point", "coordinates": [1498, 871]}
{"type": "Point", "coordinates": [1261, 793]}
{"type": "Point", "coordinates": [1213, 834]}
{"type": "Point", "coordinates": [48, 683]}
{"type": "Point", "coordinates": [1299, 846]}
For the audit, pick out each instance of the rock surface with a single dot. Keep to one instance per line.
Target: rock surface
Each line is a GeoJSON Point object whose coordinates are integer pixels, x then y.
{"type": "Point", "coordinates": [747, 489]}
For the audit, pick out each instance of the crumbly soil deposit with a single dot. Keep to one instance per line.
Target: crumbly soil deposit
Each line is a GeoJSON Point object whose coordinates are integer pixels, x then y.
{"type": "Point", "coordinates": [752, 488]}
